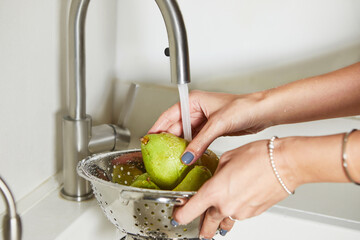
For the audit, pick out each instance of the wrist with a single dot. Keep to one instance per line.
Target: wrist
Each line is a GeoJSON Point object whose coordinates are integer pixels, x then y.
{"type": "Point", "coordinates": [314, 159]}
{"type": "Point", "coordinates": [269, 107]}
{"type": "Point", "coordinates": [352, 152]}
{"type": "Point", "coordinates": [271, 147]}
{"type": "Point", "coordinates": [287, 167]}
{"type": "Point", "coordinates": [262, 108]}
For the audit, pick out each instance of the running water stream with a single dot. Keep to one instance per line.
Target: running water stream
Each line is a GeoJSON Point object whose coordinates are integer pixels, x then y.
{"type": "Point", "coordinates": [185, 110]}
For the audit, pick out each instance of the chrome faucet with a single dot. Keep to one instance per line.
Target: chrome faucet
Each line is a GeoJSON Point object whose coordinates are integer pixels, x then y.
{"type": "Point", "coordinates": [11, 223]}
{"type": "Point", "coordinates": [80, 138]}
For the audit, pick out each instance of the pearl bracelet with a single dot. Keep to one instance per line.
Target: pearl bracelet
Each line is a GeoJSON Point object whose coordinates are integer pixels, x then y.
{"type": "Point", "coordinates": [271, 155]}
{"type": "Point", "coordinates": [344, 156]}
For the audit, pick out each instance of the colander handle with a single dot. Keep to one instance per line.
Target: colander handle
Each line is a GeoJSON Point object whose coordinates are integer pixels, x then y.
{"type": "Point", "coordinates": [174, 199]}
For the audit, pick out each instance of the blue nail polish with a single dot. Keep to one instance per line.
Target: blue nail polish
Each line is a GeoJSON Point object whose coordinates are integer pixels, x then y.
{"type": "Point", "coordinates": [174, 223]}
{"type": "Point", "coordinates": [223, 232]}
{"type": "Point", "coordinates": [187, 158]}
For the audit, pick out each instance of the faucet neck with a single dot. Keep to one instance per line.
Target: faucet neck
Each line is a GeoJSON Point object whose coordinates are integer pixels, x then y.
{"type": "Point", "coordinates": [76, 59]}
{"type": "Point", "coordinates": [178, 45]}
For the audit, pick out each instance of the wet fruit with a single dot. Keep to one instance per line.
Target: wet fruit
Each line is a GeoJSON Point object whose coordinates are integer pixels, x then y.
{"type": "Point", "coordinates": [161, 154]}
{"type": "Point", "coordinates": [125, 174]}
{"type": "Point", "coordinates": [144, 181]}
{"type": "Point", "coordinates": [194, 179]}
{"type": "Point", "coordinates": [209, 159]}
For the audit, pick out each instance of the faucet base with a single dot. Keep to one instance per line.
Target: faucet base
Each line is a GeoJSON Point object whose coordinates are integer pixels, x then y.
{"type": "Point", "coordinates": [76, 137]}
{"type": "Point", "coordinates": [76, 198]}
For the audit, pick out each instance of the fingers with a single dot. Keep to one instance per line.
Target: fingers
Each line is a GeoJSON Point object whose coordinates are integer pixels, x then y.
{"type": "Point", "coordinates": [195, 206]}
{"type": "Point", "coordinates": [226, 225]}
{"type": "Point", "coordinates": [201, 142]}
{"type": "Point", "coordinates": [167, 119]}
{"type": "Point", "coordinates": [211, 223]}
{"type": "Point", "coordinates": [176, 129]}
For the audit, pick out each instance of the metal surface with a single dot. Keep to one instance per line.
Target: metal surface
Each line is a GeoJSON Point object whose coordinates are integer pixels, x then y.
{"type": "Point", "coordinates": [143, 213]}
{"type": "Point", "coordinates": [132, 237]}
{"type": "Point", "coordinates": [108, 137]}
{"type": "Point", "coordinates": [12, 228]}
{"type": "Point", "coordinates": [76, 137]}
{"type": "Point", "coordinates": [79, 137]}
{"type": "Point", "coordinates": [76, 56]}
{"type": "Point", "coordinates": [77, 127]}
{"type": "Point", "coordinates": [102, 138]}
{"type": "Point", "coordinates": [178, 45]}
{"type": "Point", "coordinates": [122, 137]}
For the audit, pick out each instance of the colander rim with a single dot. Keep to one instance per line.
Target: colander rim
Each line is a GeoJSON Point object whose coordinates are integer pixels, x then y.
{"type": "Point", "coordinates": [81, 170]}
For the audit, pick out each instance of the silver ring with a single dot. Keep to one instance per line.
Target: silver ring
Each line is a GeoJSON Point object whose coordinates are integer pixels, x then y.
{"type": "Point", "coordinates": [233, 219]}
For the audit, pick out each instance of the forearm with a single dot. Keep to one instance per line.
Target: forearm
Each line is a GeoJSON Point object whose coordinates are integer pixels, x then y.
{"type": "Point", "coordinates": [319, 159]}
{"type": "Point", "coordinates": [336, 94]}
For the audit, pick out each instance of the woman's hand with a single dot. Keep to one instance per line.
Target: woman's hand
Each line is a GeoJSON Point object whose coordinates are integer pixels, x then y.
{"type": "Point", "coordinates": [213, 115]}
{"type": "Point", "coordinates": [243, 186]}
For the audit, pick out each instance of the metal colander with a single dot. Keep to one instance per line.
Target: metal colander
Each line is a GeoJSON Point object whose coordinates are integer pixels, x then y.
{"type": "Point", "coordinates": [142, 213]}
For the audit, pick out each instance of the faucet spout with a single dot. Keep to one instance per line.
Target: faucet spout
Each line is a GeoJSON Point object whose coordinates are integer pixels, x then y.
{"type": "Point", "coordinates": [178, 45]}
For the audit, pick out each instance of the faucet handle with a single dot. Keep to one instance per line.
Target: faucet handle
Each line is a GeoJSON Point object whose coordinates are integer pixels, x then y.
{"type": "Point", "coordinates": [110, 137]}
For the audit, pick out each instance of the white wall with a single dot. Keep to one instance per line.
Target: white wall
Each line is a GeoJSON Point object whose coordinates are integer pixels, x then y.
{"type": "Point", "coordinates": [243, 45]}
{"type": "Point", "coordinates": [33, 84]}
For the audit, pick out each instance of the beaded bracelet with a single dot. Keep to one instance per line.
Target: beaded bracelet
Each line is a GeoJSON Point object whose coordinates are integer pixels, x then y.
{"type": "Point", "coordinates": [271, 155]}
{"type": "Point", "coordinates": [344, 156]}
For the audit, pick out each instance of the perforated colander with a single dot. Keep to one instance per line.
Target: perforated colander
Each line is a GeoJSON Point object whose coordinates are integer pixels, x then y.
{"type": "Point", "coordinates": [144, 213]}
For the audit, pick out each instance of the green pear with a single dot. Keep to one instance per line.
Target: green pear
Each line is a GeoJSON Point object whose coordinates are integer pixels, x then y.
{"type": "Point", "coordinates": [161, 155]}
{"type": "Point", "coordinates": [125, 174]}
{"type": "Point", "coordinates": [209, 159]}
{"type": "Point", "coordinates": [194, 179]}
{"type": "Point", "coordinates": [142, 177]}
{"type": "Point", "coordinates": [144, 181]}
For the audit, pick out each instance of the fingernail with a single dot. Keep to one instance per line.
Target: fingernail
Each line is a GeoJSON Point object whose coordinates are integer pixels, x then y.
{"type": "Point", "coordinates": [174, 223]}
{"type": "Point", "coordinates": [200, 237]}
{"type": "Point", "coordinates": [223, 232]}
{"type": "Point", "coordinates": [187, 157]}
